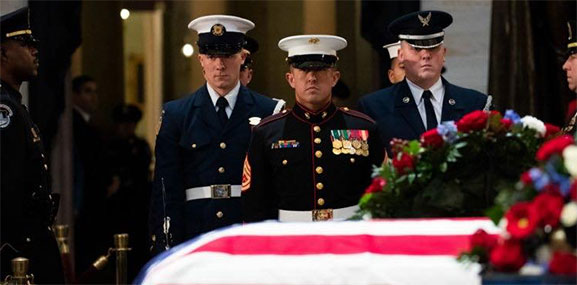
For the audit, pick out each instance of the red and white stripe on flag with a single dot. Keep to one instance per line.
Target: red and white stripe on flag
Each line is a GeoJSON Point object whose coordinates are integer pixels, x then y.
{"type": "Point", "coordinates": [403, 251]}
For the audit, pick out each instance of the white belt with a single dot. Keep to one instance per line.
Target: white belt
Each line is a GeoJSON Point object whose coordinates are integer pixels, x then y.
{"type": "Point", "coordinates": [218, 191]}
{"type": "Point", "coordinates": [317, 215]}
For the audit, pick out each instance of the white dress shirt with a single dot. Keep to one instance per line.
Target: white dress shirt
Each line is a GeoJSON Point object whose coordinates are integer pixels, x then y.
{"type": "Point", "coordinates": [230, 97]}
{"type": "Point", "coordinates": [438, 91]}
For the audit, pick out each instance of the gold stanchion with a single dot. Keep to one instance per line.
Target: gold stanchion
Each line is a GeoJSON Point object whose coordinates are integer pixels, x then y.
{"type": "Point", "coordinates": [61, 232]}
{"type": "Point", "coordinates": [20, 274]}
{"type": "Point", "coordinates": [121, 248]}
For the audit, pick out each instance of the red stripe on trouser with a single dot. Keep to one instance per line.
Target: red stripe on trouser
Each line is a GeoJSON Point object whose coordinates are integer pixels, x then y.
{"type": "Point", "coordinates": [338, 244]}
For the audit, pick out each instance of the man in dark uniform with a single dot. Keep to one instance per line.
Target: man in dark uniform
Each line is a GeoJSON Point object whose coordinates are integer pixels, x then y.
{"type": "Point", "coordinates": [424, 99]}
{"type": "Point", "coordinates": [203, 139]}
{"type": "Point", "coordinates": [311, 163]}
{"type": "Point", "coordinates": [246, 70]}
{"type": "Point", "coordinates": [28, 207]}
{"type": "Point", "coordinates": [570, 68]}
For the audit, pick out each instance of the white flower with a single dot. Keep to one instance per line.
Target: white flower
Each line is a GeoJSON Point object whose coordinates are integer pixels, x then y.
{"type": "Point", "coordinates": [570, 158]}
{"type": "Point", "coordinates": [569, 214]}
{"type": "Point", "coordinates": [535, 124]}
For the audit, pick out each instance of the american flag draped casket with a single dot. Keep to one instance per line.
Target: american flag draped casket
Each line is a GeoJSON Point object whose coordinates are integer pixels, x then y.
{"type": "Point", "coordinates": [404, 251]}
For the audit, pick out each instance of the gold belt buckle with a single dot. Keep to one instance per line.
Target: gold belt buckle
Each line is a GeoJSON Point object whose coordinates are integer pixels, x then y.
{"type": "Point", "coordinates": [322, 215]}
{"type": "Point", "coordinates": [220, 191]}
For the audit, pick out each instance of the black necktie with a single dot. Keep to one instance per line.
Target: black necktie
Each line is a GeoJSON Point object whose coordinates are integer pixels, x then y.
{"type": "Point", "coordinates": [431, 117]}
{"type": "Point", "coordinates": [221, 103]}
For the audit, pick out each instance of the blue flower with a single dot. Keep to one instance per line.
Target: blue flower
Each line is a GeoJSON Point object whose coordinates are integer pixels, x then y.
{"type": "Point", "coordinates": [556, 177]}
{"type": "Point", "coordinates": [448, 130]}
{"type": "Point", "coordinates": [540, 179]}
{"type": "Point", "coordinates": [514, 117]}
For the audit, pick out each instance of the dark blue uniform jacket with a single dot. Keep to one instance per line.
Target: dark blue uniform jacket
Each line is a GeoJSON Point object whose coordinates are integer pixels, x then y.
{"type": "Point", "coordinates": [398, 117]}
{"type": "Point", "coordinates": [194, 150]}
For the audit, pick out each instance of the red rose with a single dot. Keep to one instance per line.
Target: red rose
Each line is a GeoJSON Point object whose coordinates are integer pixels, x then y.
{"type": "Point", "coordinates": [507, 123]}
{"type": "Point", "coordinates": [482, 239]}
{"type": "Point", "coordinates": [548, 205]}
{"type": "Point", "coordinates": [403, 163]}
{"type": "Point", "coordinates": [526, 178]}
{"type": "Point", "coordinates": [376, 186]}
{"type": "Point", "coordinates": [431, 138]}
{"type": "Point", "coordinates": [551, 130]}
{"type": "Point", "coordinates": [508, 256]}
{"type": "Point", "coordinates": [474, 121]}
{"type": "Point", "coordinates": [554, 146]}
{"type": "Point", "coordinates": [563, 263]}
{"type": "Point", "coordinates": [522, 218]}
{"type": "Point", "coordinates": [573, 191]}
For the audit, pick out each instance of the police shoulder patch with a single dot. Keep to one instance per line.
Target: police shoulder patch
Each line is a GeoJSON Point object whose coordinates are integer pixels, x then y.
{"type": "Point", "coordinates": [5, 114]}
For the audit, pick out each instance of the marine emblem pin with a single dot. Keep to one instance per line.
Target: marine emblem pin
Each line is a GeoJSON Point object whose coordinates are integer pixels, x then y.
{"type": "Point", "coordinates": [314, 41]}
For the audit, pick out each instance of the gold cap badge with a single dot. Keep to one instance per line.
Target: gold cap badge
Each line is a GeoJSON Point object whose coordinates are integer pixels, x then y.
{"type": "Point", "coordinates": [314, 41]}
{"type": "Point", "coordinates": [217, 30]}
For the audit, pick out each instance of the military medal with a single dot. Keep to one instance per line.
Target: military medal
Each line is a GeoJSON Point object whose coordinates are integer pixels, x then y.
{"type": "Point", "coordinates": [337, 151]}
{"type": "Point", "coordinates": [336, 142]}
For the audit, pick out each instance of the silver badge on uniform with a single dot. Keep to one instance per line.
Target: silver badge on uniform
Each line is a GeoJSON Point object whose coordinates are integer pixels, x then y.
{"type": "Point", "coordinates": [452, 101]}
{"type": "Point", "coordinates": [5, 114]}
{"type": "Point", "coordinates": [406, 100]}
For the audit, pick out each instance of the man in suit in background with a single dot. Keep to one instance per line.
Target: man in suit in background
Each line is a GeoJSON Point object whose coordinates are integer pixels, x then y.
{"type": "Point", "coordinates": [203, 140]}
{"type": "Point", "coordinates": [418, 103]}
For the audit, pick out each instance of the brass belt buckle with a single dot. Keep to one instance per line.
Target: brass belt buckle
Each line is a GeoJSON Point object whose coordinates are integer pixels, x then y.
{"type": "Point", "coordinates": [220, 191]}
{"type": "Point", "coordinates": [322, 215]}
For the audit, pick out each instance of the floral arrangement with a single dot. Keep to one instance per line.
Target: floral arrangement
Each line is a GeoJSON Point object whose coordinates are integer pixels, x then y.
{"type": "Point", "coordinates": [538, 217]}
{"type": "Point", "coordinates": [456, 169]}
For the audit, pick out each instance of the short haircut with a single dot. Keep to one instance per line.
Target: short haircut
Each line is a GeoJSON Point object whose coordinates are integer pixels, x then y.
{"type": "Point", "coordinates": [79, 81]}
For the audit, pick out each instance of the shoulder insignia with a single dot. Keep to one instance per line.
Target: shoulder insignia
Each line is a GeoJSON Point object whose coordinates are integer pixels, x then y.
{"type": "Point", "coordinates": [5, 114]}
{"type": "Point", "coordinates": [274, 117]}
{"type": "Point", "coordinates": [357, 114]}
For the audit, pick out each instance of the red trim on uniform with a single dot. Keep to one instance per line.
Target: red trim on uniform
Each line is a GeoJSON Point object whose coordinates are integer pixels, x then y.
{"type": "Point", "coordinates": [273, 118]}
{"type": "Point", "coordinates": [339, 244]}
{"type": "Point", "coordinates": [358, 115]}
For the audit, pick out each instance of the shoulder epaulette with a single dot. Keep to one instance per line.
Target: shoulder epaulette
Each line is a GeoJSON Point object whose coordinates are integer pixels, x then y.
{"type": "Point", "coordinates": [357, 114]}
{"type": "Point", "coordinates": [274, 117]}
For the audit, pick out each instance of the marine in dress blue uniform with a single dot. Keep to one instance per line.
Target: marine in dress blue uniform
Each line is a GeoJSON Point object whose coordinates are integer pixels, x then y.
{"type": "Point", "coordinates": [201, 144]}
{"type": "Point", "coordinates": [313, 162]}
{"type": "Point", "coordinates": [28, 206]}
{"type": "Point", "coordinates": [424, 98]}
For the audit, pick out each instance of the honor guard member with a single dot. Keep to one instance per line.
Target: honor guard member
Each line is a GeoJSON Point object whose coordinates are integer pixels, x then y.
{"type": "Point", "coordinates": [246, 70]}
{"type": "Point", "coordinates": [396, 72]}
{"type": "Point", "coordinates": [203, 139]}
{"type": "Point", "coordinates": [570, 68]}
{"type": "Point", "coordinates": [424, 99]}
{"type": "Point", "coordinates": [28, 207]}
{"type": "Point", "coordinates": [311, 163]}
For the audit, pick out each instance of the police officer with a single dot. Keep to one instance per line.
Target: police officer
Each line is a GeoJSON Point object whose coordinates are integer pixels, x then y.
{"type": "Point", "coordinates": [396, 72]}
{"type": "Point", "coordinates": [570, 68]}
{"type": "Point", "coordinates": [311, 163]}
{"type": "Point", "coordinates": [28, 207]}
{"type": "Point", "coordinates": [424, 99]}
{"type": "Point", "coordinates": [203, 139]}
